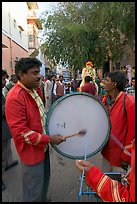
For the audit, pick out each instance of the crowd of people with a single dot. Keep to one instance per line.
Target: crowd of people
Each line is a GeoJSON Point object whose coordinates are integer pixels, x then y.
{"type": "Point", "coordinates": [24, 108]}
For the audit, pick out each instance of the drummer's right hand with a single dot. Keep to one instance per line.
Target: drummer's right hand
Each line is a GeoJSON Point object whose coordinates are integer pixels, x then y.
{"type": "Point", "coordinates": [57, 139]}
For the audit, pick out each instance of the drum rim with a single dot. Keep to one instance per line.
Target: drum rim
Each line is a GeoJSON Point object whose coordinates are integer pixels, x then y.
{"type": "Point", "coordinates": [49, 115]}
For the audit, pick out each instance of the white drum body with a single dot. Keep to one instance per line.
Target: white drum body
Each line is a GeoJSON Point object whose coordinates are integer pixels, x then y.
{"type": "Point", "coordinates": [73, 113]}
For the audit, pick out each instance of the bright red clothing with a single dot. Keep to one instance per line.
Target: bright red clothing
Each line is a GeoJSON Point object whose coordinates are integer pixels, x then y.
{"type": "Point", "coordinates": [122, 127]}
{"type": "Point", "coordinates": [111, 190]}
{"type": "Point", "coordinates": [89, 88]}
{"type": "Point", "coordinates": [24, 120]}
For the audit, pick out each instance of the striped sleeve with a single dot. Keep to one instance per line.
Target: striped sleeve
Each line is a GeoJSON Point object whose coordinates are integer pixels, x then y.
{"type": "Point", "coordinates": [108, 189]}
{"type": "Point", "coordinates": [34, 138]}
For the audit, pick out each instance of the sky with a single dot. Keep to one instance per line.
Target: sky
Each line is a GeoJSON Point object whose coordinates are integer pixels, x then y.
{"type": "Point", "coordinates": [45, 6]}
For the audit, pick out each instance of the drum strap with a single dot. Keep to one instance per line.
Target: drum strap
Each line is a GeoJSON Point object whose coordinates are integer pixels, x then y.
{"type": "Point", "coordinates": [120, 144]}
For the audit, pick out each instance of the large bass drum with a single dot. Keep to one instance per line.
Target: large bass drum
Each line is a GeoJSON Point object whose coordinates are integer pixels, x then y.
{"type": "Point", "coordinates": [73, 113]}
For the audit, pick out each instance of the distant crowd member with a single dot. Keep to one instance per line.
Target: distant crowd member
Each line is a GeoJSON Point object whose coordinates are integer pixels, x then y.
{"type": "Point", "coordinates": [127, 85]}
{"type": "Point", "coordinates": [121, 108]}
{"type": "Point", "coordinates": [103, 92]}
{"type": "Point", "coordinates": [53, 80]}
{"type": "Point", "coordinates": [88, 86]}
{"type": "Point", "coordinates": [59, 88]}
{"type": "Point", "coordinates": [9, 84]}
{"type": "Point", "coordinates": [7, 158]}
{"type": "Point", "coordinates": [129, 73]}
{"type": "Point", "coordinates": [131, 89]}
{"type": "Point", "coordinates": [133, 72]}
{"type": "Point", "coordinates": [42, 88]}
{"type": "Point", "coordinates": [75, 84]}
{"type": "Point", "coordinates": [48, 92]}
{"type": "Point", "coordinates": [25, 115]}
{"type": "Point", "coordinates": [89, 70]}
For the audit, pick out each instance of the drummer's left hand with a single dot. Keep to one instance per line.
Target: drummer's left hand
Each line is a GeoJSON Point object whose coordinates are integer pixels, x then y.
{"type": "Point", "coordinates": [86, 165]}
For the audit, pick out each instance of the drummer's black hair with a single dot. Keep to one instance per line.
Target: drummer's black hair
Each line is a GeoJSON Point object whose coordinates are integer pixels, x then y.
{"type": "Point", "coordinates": [119, 77]}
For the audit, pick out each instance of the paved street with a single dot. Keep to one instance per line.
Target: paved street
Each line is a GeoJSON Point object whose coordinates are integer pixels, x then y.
{"type": "Point", "coordinates": [63, 184]}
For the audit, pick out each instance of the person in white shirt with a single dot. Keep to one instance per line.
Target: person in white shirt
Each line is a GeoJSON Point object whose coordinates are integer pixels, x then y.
{"type": "Point", "coordinates": [48, 92]}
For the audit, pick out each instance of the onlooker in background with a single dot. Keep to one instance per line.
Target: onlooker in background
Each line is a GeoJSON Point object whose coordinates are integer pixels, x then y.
{"type": "Point", "coordinates": [75, 84]}
{"type": "Point", "coordinates": [42, 88]}
{"type": "Point", "coordinates": [71, 87]}
{"type": "Point", "coordinates": [48, 92]}
{"type": "Point", "coordinates": [79, 88]}
{"type": "Point", "coordinates": [59, 89]}
{"type": "Point", "coordinates": [98, 92]}
{"type": "Point", "coordinates": [10, 84]}
{"type": "Point", "coordinates": [89, 70]}
{"type": "Point", "coordinates": [88, 86]}
{"type": "Point", "coordinates": [103, 92]}
{"type": "Point", "coordinates": [131, 89]}
{"type": "Point", "coordinates": [53, 80]}
{"type": "Point", "coordinates": [67, 88]}
{"type": "Point", "coordinates": [133, 72]}
{"type": "Point", "coordinates": [129, 73]}
{"type": "Point", "coordinates": [26, 118]}
{"type": "Point", "coordinates": [127, 85]}
{"type": "Point", "coordinates": [121, 108]}
{"type": "Point", "coordinates": [7, 79]}
{"type": "Point", "coordinates": [7, 159]}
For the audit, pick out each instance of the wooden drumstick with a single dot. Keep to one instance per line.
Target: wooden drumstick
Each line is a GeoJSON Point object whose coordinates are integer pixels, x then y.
{"type": "Point", "coordinates": [80, 133]}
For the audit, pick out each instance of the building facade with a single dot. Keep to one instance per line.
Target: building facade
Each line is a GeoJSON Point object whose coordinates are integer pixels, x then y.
{"type": "Point", "coordinates": [20, 27]}
{"type": "Point", "coordinates": [14, 34]}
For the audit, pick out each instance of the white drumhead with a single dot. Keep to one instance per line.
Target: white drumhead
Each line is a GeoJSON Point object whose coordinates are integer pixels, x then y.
{"type": "Point", "coordinates": [72, 113]}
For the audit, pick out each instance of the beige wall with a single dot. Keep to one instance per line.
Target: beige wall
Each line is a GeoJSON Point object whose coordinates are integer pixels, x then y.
{"type": "Point", "coordinates": [9, 54]}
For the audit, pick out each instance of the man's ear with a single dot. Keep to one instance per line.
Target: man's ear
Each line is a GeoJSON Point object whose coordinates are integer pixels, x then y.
{"type": "Point", "coordinates": [20, 73]}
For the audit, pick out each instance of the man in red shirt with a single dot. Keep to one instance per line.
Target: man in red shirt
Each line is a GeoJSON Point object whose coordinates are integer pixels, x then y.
{"type": "Point", "coordinates": [88, 87]}
{"type": "Point", "coordinates": [108, 189]}
{"type": "Point", "coordinates": [121, 108]}
{"type": "Point", "coordinates": [26, 117]}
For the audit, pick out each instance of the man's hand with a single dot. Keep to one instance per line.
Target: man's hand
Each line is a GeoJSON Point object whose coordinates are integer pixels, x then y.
{"type": "Point", "coordinates": [57, 139]}
{"type": "Point", "coordinates": [81, 164]}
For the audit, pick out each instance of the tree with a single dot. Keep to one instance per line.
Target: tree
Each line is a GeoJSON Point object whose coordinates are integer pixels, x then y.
{"type": "Point", "coordinates": [81, 31]}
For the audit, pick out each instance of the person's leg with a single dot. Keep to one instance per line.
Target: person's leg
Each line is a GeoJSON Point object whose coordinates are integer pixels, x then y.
{"type": "Point", "coordinates": [4, 154]}
{"type": "Point", "coordinates": [32, 182]}
{"type": "Point", "coordinates": [46, 176]}
{"type": "Point", "coordinates": [9, 157]}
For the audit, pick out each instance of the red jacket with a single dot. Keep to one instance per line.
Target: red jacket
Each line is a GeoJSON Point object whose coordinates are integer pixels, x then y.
{"type": "Point", "coordinates": [111, 190]}
{"type": "Point", "coordinates": [24, 121]}
{"type": "Point", "coordinates": [89, 88]}
{"type": "Point", "coordinates": [122, 127]}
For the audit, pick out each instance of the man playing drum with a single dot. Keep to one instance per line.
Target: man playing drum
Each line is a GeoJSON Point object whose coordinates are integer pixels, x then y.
{"type": "Point", "coordinates": [26, 118]}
